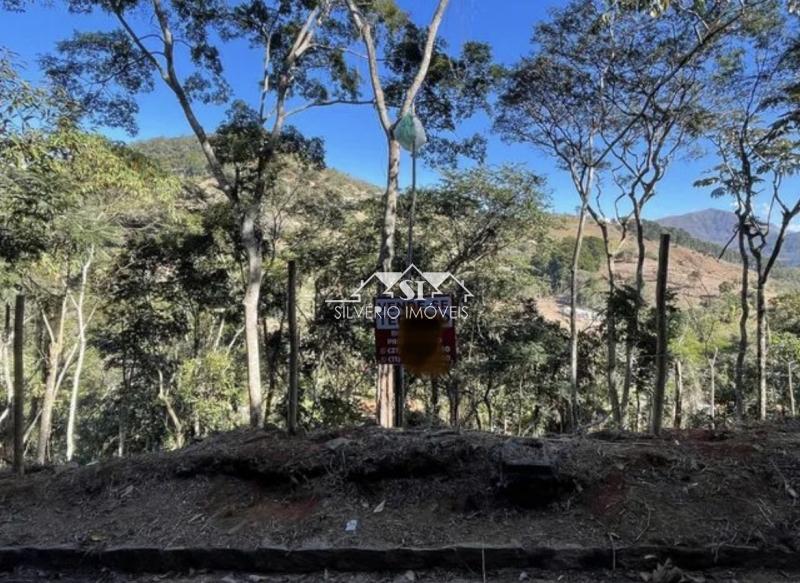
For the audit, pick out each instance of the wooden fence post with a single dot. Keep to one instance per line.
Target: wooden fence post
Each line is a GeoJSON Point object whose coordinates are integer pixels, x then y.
{"type": "Point", "coordinates": [19, 385]}
{"type": "Point", "coordinates": [662, 339]}
{"type": "Point", "coordinates": [291, 421]}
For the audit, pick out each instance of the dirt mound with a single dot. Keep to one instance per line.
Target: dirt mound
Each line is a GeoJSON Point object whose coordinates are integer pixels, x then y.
{"type": "Point", "coordinates": [376, 488]}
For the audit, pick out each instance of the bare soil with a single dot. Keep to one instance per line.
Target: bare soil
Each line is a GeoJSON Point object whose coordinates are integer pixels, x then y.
{"type": "Point", "coordinates": [504, 576]}
{"type": "Point", "coordinates": [418, 488]}
{"type": "Point", "coordinates": [695, 277]}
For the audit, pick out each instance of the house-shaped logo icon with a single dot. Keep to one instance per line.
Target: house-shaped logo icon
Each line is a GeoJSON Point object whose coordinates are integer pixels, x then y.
{"type": "Point", "coordinates": [407, 285]}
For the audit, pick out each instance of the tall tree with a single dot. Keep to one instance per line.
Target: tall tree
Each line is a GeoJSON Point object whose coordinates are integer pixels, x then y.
{"type": "Point", "coordinates": [418, 77]}
{"type": "Point", "coordinates": [557, 99]}
{"type": "Point", "coordinates": [303, 59]}
{"type": "Point", "coordinates": [754, 157]}
{"type": "Point", "coordinates": [639, 161]}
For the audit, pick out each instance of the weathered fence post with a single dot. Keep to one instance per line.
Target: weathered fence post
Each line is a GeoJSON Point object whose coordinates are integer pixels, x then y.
{"type": "Point", "coordinates": [291, 421]}
{"type": "Point", "coordinates": [19, 385]}
{"type": "Point", "coordinates": [662, 334]}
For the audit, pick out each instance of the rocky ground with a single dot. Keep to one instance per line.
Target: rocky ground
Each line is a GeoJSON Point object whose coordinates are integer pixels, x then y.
{"type": "Point", "coordinates": [589, 497]}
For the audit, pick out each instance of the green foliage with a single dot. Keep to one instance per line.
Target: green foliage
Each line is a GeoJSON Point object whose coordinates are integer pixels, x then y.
{"type": "Point", "coordinates": [105, 71]}
{"type": "Point", "coordinates": [555, 263]}
{"type": "Point", "coordinates": [785, 313]}
{"type": "Point", "coordinates": [64, 189]}
{"type": "Point", "coordinates": [179, 156]}
{"type": "Point", "coordinates": [241, 141]}
{"type": "Point", "coordinates": [207, 392]}
{"type": "Point", "coordinates": [477, 213]}
{"type": "Point", "coordinates": [456, 87]}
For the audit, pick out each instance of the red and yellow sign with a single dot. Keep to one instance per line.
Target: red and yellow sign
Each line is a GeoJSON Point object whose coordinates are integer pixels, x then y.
{"type": "Point", "coordinates": [420, 334]}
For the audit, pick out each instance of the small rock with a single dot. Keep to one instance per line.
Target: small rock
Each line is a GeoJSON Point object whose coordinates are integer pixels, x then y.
{"type": "Point", "coordinates": [410, 576]}
{"type": "Point", "coordinates": [523, 576]}
{"type": "Point", "coordinates": [351, 525]}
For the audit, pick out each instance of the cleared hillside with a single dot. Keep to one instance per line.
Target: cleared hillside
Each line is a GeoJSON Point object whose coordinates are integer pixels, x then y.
{"type": "Point", "coordinates": [695, 276]}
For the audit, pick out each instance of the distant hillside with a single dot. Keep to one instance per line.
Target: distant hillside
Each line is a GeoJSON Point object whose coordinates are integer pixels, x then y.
{"type": "Point", "coordinates": [712, 225]}
{"type": "Point", "coordinates": [717, 226]}
{"type": "Point", "coordinates": [652, 231]}
{"type": "Point", "coordinates": [183, 156]}
{"type": "Point", "coordinates": [696, 272]}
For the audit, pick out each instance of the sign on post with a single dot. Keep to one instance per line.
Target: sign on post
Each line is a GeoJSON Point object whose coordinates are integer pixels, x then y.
{"type": "Point", "coordinates": [418, 315]}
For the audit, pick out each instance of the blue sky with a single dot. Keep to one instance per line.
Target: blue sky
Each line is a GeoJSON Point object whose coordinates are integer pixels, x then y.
{"type": "Point", "coordinates": [354, 142]}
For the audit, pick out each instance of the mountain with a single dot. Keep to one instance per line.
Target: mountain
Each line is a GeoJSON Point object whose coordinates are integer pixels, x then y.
{"type": "Point", "coordinates": [718, 226]}
{"type": "Point", "coordinates": [712, 225]}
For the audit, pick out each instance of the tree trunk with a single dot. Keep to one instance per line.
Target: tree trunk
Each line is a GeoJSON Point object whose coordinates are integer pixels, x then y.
{"type": "Point", "coordinates": [272, 346]}
{"type": "Point", "coordinates": [434, 400]}
{"type": "Point", "coordinates": [487, 402]}
{"type": "Point", "coordinates": [745, 315]}
{"type": "Point", "coordinates": [662, 328]}
{"type": "Point", "coordinates": [454, 398]}
{"type": "Point", "coordinates": [176, 422]}
{"type": "Point", "coordinates": [633, 325]}
{"type": "Point", "coordinates": [385, 395]}
{"type": "Point", "coordinates": [611, 324]}
{"type": "Point", "coordinates": [790, 388]}
{"type": "Point", "coordinates": [761, 348]}
{"type": "Point", "coordinates": [713, 397]}
{"type": "Point", "coordinates": [251, 241]}
{"type": "Point", "coordinates": [291, 418]}
{"type": "Point", "coordinates": [386, 383]}
{"type": "Point", "coordinates": [678, 394]}
{"type": "Point", "coordinates": [573, 317]}
{"type": "Point", "coordinates": [54, 352]}
{"type": "Point", "coordinates": [122, 436]}
{"type": "Point", "coordinates": [76, 375]}
{"type": "Point", "coordinates": [19, 385]}
{"type": "Point", "coordinates": [6, 356]}
{"type": "Point", "coordinates": [6, 437]}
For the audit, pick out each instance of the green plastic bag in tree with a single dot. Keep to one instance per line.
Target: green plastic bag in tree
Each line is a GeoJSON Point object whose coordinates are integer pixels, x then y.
{"type": "Point", "coordinates": [410, 133]}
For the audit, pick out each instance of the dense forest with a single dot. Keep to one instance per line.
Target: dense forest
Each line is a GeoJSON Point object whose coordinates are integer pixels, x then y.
{"type": "Point", "coordinates": [155, 272]}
